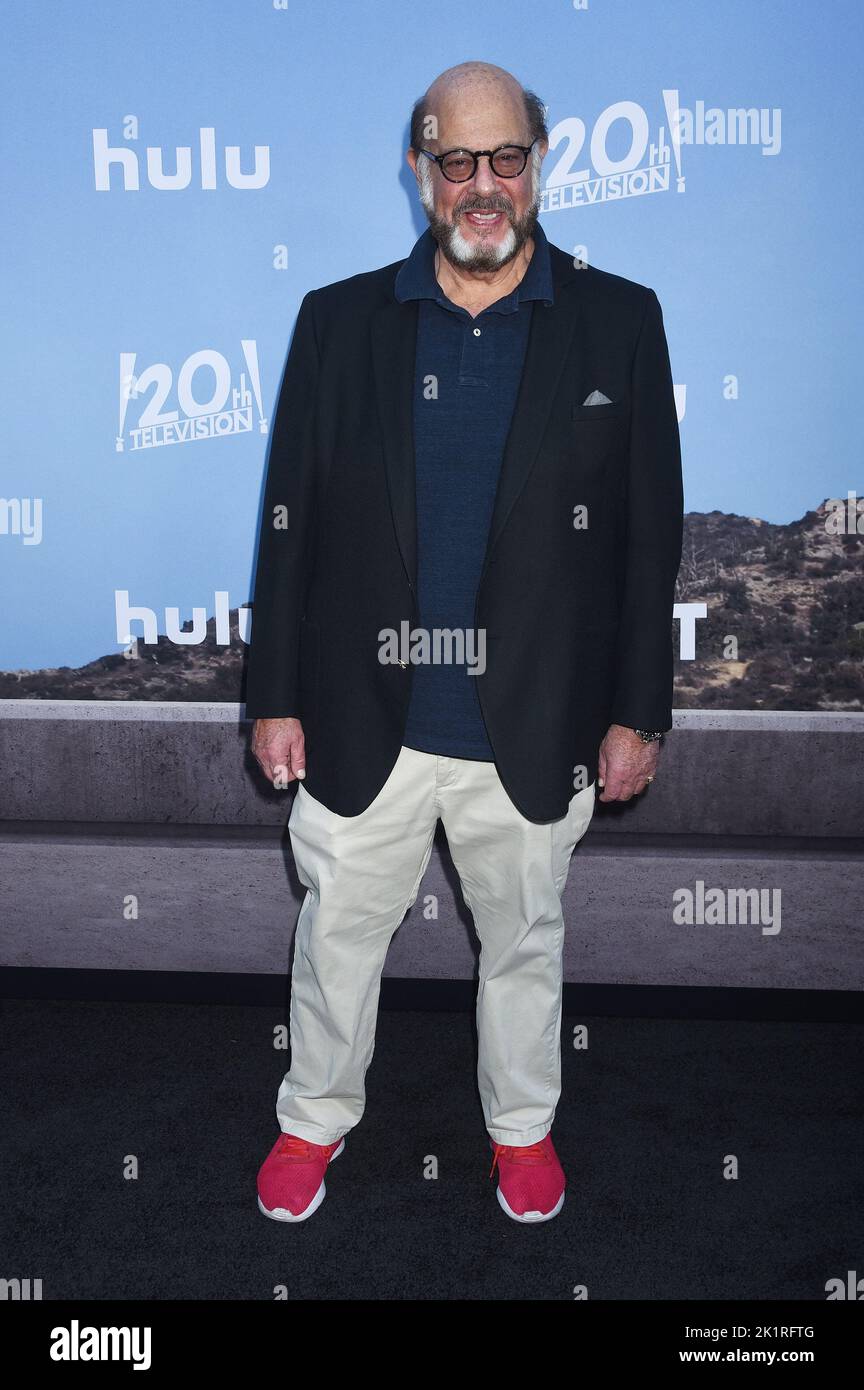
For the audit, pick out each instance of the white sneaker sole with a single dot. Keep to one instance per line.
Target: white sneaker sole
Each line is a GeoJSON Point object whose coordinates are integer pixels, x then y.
{"type": "Point", "coordinates": [283, 1214]}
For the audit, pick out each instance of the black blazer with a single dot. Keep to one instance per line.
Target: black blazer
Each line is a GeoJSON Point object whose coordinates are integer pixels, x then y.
{"type": "Point", "coordinates": [578, 619]}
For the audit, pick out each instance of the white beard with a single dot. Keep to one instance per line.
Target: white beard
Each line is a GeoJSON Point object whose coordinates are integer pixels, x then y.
{"type": "Point", "coordinates": [465, 252]}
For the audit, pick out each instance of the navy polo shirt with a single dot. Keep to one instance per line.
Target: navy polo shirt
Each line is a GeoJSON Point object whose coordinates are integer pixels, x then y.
{"type": "Point", "coordinates": [466, 376]}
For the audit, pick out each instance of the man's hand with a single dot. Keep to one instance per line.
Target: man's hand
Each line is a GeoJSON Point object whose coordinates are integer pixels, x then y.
{"type": "Point", "coordinates": [280, 749]}
{"type": "Point", "coordinates": [625, 764]}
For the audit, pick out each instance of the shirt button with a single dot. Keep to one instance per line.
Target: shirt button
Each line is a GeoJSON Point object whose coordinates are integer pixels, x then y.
{"type": "Point", "coordinates": [476, 332]}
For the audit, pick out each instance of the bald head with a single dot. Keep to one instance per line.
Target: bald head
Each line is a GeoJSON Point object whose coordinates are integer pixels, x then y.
{"type": "Point", "coordinates": [465, 97]}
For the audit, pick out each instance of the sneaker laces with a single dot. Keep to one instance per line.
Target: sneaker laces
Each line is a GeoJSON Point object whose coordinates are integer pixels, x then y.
{"type": "Point", "coordinates": [521, 1153]}
{"type": "Point", "coordinates": [297, 1150]}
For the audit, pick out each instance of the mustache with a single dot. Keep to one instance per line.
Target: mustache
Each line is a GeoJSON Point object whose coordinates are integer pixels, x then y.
{"type": "Point", "coordinates": [485, 205]}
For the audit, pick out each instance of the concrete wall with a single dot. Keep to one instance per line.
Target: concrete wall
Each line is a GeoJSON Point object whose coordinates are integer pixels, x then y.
{"type": "Point", "coordinates": [102, 800]}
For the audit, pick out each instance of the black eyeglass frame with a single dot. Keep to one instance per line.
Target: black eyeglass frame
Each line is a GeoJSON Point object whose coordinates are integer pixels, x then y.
{"type": "Point", "coordinates": [476, 155]}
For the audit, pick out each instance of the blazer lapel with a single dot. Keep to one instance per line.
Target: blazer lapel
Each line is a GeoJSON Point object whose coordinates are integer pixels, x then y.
{"type": "Point", "coordinates": [552, 329]}
{"type": "Point", "coordinates": [394, 345]}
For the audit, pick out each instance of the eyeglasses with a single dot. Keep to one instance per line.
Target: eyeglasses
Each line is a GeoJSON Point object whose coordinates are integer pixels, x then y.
{"type": "Point", "coordinates": [507, 162]}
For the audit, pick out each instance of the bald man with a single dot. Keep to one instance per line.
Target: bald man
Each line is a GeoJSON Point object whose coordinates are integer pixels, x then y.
{"type": "Point", "coordinates": [462, 611]}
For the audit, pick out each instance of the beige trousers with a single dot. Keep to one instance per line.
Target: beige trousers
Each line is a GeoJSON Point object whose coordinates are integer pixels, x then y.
{"type": "Point", "coordinates": [362, 873]}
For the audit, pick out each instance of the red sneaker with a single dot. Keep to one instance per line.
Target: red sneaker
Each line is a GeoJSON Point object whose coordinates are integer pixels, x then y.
{"type": "Point", "coordinates": [291, 1178]}
{"type": "Point", "coordinates": [531, 1181]}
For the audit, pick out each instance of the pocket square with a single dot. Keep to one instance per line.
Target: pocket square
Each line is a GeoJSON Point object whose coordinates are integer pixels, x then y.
{"type": "Point", "coordinates": [596, 398]}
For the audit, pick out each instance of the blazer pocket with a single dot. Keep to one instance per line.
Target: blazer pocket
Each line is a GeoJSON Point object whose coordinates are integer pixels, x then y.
{"type": "Point", "coordinates": [612, 410]}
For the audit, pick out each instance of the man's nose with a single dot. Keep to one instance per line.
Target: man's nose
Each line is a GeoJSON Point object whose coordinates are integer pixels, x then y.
{"type": "Point", "coordinates": [484, 180]}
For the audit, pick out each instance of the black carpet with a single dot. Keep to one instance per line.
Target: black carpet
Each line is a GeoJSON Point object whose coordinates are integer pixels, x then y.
{"type": "Point", "coordinates": [649, 1115]}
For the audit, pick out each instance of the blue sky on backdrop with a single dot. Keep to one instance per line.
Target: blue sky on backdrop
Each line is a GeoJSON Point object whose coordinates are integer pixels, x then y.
{"type": "Point", "coordinates": [756, 263]}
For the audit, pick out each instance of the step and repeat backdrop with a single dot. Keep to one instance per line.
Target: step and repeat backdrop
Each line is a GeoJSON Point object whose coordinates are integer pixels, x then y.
{"type": "Point", "coordinates": [178, 175]}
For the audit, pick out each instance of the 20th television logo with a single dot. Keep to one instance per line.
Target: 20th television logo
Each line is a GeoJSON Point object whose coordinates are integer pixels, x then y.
{"type": "Point", "coordinates": [209, 406]}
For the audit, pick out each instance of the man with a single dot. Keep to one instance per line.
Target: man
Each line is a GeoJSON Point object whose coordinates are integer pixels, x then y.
{"type": "Point", "coordinates": [463, 609]}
